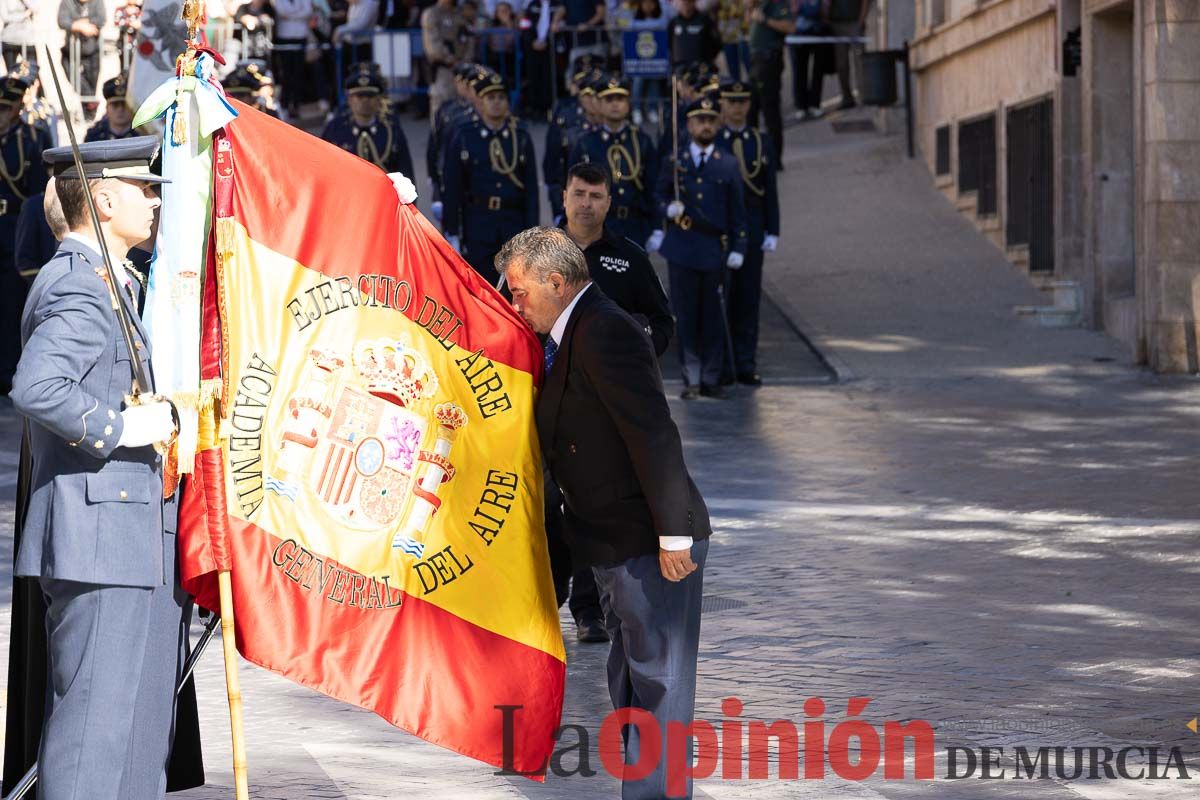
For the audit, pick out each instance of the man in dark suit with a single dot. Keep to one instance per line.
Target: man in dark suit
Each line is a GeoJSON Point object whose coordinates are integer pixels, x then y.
{"type": "Point", "coordinates": [631, 512]}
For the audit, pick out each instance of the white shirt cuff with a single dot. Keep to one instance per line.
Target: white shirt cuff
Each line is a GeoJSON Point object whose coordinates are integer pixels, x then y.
{"type": "Point", "coordinates": [674, 542]}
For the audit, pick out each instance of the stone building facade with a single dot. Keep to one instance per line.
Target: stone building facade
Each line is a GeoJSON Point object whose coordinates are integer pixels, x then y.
{"type": "Point", "coordinates": [1069, 131]}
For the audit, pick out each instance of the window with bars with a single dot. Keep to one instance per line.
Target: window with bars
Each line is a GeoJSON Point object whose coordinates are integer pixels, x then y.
{"type": "Point", "coordinates": [941, 148]}
{"type": "Point", "coordinates": [977, 162]}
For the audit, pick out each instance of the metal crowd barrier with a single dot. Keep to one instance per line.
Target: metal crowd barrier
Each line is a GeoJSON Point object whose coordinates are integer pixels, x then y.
{"type": "Point", "coordinates": [75, 70]}
{"type": "Point", "coordinates": [399, 52]}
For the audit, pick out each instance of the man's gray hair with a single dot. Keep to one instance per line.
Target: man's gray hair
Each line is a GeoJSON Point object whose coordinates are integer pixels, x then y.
{"type": "Point", "coordinates": [543, 251]}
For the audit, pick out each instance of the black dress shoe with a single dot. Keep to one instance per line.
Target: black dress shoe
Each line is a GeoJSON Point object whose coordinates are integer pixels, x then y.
{"type": "Point", "coordinates": [715, 392]}
{"type": "Point", "coordinates": [690, 393]}
{"type": "Point", "coordinates": [590, 630]}
{"type": "Point", "coordinates": [726, 380]}
{"type": "Point", "coordinates": [750, 379]}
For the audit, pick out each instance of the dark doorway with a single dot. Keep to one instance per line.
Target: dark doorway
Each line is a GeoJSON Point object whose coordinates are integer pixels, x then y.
{"type": "Point", "coordinates": [1030, 131]}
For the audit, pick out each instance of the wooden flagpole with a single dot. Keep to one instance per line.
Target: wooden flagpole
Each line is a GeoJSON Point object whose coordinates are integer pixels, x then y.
{"type": "Point", "coordinates": [233, 688]}
{"type": "Point", "coordinates": [193, 13]}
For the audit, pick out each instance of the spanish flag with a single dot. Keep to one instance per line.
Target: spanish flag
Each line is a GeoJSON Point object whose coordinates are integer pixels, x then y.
{"type": "Point", "coordinates": [373, 481]}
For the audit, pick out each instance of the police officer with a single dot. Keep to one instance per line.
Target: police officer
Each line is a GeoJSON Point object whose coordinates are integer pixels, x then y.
{"type": "Point", "coordinates": [629, 155]}
{"type": "Point", "coordinates": [98, 536]}
{"type": "Point", "coordinates": [706, 233]}
{"type": "Point", "coordinates": [367, 131]}
{"type": "Point", "coordinates": [21, 174]}
{"type": "Point", "coordinates": [618, 264]}
{"type": "Point", "coordinates": [117, 122]}
{"type": "Point", "coordinates": [752, 151]}
{"type": "Point", "coordinates": [491, 185]}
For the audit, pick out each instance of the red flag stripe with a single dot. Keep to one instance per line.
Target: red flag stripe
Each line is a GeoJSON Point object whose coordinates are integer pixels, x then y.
{"type": "Point", "coordinates": [262, 198]}
{"type": "Point", "coordinates": [441, 660]}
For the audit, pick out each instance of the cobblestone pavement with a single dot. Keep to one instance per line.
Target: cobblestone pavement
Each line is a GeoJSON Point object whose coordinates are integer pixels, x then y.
{"type": "Point", "coordinates": [991, 527]}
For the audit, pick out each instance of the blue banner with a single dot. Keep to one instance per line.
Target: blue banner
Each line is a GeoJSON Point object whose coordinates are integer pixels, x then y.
{"type": "Point", "coordinates": [646, 54]}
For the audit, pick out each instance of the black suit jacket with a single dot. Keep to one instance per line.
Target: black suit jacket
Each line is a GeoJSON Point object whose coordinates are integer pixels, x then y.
{"type": "Point", "coordinates": [609, 442]}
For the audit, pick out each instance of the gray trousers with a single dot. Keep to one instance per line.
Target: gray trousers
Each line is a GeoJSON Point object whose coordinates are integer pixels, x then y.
{"type": "Point", "coordinates": [655, 630]}
{"type": "Point", "coordinates": [115, 658]}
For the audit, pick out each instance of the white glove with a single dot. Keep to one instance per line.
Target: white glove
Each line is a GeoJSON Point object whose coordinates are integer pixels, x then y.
{"type": "Point", "coordinates": [674, 209]}
{"type": "Point", "coordinates": [406, 190]}
{"type": "Point", "coordinates": [770, 243]}
{"type": "Point", "coordinates": [436, 210]}
{"type": "Point", "coordinates": [654, 242]}
{"type": "Point", "coordinates": [148, 424]}
{"type": "Point", "coordinates": [456, 243]}
{"type": "Point", "coordinates": [735, 260]}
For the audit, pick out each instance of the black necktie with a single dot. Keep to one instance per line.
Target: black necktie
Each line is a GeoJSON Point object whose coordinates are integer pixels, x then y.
{"type": "Point", "coordinates": [703, 158]}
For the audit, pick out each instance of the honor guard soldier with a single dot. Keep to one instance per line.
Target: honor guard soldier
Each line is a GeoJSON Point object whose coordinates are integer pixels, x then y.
{"type": "Point", "coordinates": [368, 131]}
{"type": "Point", "coordinates": [491, 186]}
{"type": "Point", "coordinates": [21, 174]}
{"type": "Point", "coordinates": [445, 121]}
{"type": "Point", "coordinates": [251, 82]}
{"type": "Point", "coordinates": [98, 536]}
{"type": "Point", "coordinates": [629, 155]}
{"type": "Point", "coordinates": [467, 118]}
{"type": "Point", "coordinates": [561, 138]}
{"type": "Point", "coordinates": [753, 154]}
{"type": "Point", "coordinates": [703, 201]}
{"type": "Point", "coordinates": [567, 114]}
{"type": "Point", "coordinates": [36, 112]}
{"type": "Point", "coordinates": [117, 122]}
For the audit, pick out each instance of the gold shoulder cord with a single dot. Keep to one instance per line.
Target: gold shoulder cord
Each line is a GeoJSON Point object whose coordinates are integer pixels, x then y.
{"type": "Point", "coordinates": [367, 149]}
{"type": "Point", "coordinates": [500, 161]}
{"type": "Point", "coordinates": [618, 151]}
{"type": "Point", "coordinates": [748, 176]}
{"type": "Point", "coordinates": [11, 180]}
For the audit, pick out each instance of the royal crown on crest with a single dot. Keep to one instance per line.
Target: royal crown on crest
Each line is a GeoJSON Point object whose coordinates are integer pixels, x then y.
{"type": "Point", "coordinates": [395, 369]}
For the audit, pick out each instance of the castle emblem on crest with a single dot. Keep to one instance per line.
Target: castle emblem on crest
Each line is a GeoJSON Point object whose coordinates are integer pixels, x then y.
{"type": "Point", "coordinates": [364, 436]}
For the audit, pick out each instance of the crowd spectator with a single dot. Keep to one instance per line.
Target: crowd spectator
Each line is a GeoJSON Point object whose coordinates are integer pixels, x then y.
{"type": "Point", "coordinates": [447, 40]}
{"type": "Point", "coordinates": [732, 22]}
{"type": "Point", "coordinates": [253, 22]}
{"type": "Point", "coordinates": [82, 21]}
{"type": "Point", "coordinates": [360, 18]}
{"type": "Point", "coordinates": [771, 22]}
{"type": "Point", "coordinates": [19, 37]}
{"type": "Point", "coordinates": [576, 24]}
{"type": "Point", "coordinates": [648, 92]}
{"type": "Point", "coordinates": [810, 62]}
{"type": "Point", "coordinates": [692, 36]}
{"type": "Point", "coordinates": [538, 54]}
{"type": "Point", "coordinates": [500, 45]}
{"type": "Point", "coordinates": [292, 19]}
{"type": "Point", "coordinates": [128, 19]}
{"type": "Point", "coordinates": [847, 18]}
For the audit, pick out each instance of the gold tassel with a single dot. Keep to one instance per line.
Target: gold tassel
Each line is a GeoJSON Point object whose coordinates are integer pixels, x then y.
{"type": "Point", "coordinates": [225, 239]}
{"type": "Point", "coordinates": [179, 128]}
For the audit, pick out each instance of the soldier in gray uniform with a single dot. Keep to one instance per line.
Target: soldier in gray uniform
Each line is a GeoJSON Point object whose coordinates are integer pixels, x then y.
{"type": "Point", "coordinates": [97, 535]}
